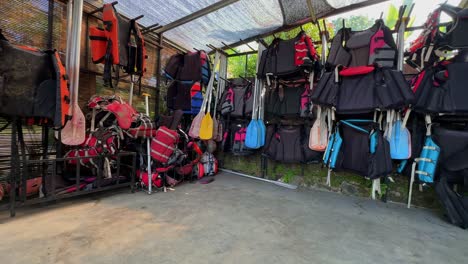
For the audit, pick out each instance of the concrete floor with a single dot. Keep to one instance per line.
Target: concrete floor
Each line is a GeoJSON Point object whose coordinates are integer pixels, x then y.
{"type": "Point", "coordinates": [231, 220]}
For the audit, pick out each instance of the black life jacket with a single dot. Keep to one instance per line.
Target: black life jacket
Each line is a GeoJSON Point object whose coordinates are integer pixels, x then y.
{"type": "Point", "coordinates": [339, 54]}
{"type": "Point", "coordinates": [288, 98]}
{"type": "Point", "coordinates": [289, 144]}
{"type": "Point", "coordinates": [360, 75]}
{"type": "Point", "coordinates": [364, 150]}
{"type": "Point", "coordinates": [454, 203]}
{"type": "Point", "coordinates": [33, 83]}
{"type": "Point", "coordinates": [190, 67]}
{"type": "Point", "coordinates": [421, 52]}
{"type": "Point", "coordinates": [441, 89]}
{"type": "Point", "coordinates": [237, 99]}
{"type": "Point", "coordinates": [287, 58]}
{"type": "Point", "coordinates": [119, 43]}
{"type": "Point", "coordinates": [367, 47]}
{"type": "Point", "coordinates": [237, 139]}
{"type": "Point", "coordinates": [359, 90]}
{"type": "Point", "coordinates": [452, 159]}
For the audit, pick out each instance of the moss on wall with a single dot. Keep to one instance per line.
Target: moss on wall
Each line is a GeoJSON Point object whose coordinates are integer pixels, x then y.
{"type": "Point", "coordinates": [314, 176]}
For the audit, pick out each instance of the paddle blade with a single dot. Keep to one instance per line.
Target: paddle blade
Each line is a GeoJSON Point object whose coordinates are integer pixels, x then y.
{"type": "Point", "coordinates": [194, 131]}
{"type": "Point", "coordinates": [252, 138]}
{"type": "Point", "coordinates": [400, 142]}
{"type": "Point", "coordinates": [262, 133]}
{"type": "Point", "coordinates": [206, 127]}
{"type": "Point", "coordinates": [318, 137]}
{"type": "Point", "coordinates": [74, 132]}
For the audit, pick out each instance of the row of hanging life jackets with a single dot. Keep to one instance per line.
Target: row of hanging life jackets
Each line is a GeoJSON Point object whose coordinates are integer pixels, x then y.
{"type": "Point", "coordinates": [359, 78]}
{"type": "Point", "coordinates": [286, 66]}
{"type": "Point", "coordinates": [440, 86]}
{"type": "Point", "coordinates": [441, 56]}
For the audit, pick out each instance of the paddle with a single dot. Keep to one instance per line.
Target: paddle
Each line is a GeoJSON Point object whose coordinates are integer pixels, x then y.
{"type": "Point", "coordinates": [148, 145]}
{"type": "Point", "coordinates": [218, 126]}
{"type": "Point", "coordinates": [318, 134]}
{"type": "Point", "coordinates": [195, 127]}
{"type": "Point", "coordinates": [253, 137]}
{"type": "Point", "coordinates": [207, 123]}
{"type": "Point", "coordinates": [215, 121]}
{"type": "Point", "coordinates": [74, 131]}
{"type": "Point", "coordinates": [261, 124]}
{"type": "Point", "coordinates": [206, 126]}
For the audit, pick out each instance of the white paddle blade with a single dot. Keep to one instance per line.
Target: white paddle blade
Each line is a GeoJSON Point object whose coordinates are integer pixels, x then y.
{"type": "Point", "coordinates": [74, 132]}
{"type": "Point", "coordinates": [194, 131]}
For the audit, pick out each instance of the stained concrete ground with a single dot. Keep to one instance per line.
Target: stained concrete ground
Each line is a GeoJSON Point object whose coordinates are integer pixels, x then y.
{"type": "Point", "coordinates": [231, 220]}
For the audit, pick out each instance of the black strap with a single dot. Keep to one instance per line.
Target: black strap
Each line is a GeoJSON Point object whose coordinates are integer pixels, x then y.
{"type": "Point", "coordinates": [107, 76]}
{"type": "Point", "coordinates": [100, 38]}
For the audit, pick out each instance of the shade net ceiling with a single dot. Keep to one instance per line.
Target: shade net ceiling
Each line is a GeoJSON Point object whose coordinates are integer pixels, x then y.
{"type": "Point", "coordinates": [240, 20]}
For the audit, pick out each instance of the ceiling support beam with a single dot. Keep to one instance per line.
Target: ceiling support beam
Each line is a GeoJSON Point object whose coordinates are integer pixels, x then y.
{"type": "Point", "coordinates": [202, 12]}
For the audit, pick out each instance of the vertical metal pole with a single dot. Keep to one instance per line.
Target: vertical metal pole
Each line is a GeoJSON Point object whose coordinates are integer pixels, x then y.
{"type": "Point", "coordinates": [132, 181]}
{"type": "Point", "coordinates": [23, 170]}
{"type": "Point", "coordinates": [401, 43]}
{"type": "Point", "coordinates": [45, 151]}
{"type": "Point", "coordinates": [50, 25]}
{"type": "Point", "coordinates": [246, 62]}
{"type": "Point", "coordinates": [158, 76]}
{"type": "Point", "coordinates": [13, 170]}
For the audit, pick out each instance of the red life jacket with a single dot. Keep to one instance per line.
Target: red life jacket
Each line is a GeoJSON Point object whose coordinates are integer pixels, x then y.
{"type": "Point", "coordinates": [119, 43]}
{"type": "Point", "coordinates": [163, 144]}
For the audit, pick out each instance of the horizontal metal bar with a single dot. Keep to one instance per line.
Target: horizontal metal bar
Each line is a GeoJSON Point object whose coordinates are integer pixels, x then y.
{"type": "Point", "coordinates": [247, 44]}
{"type": "Point", "coordinates": [73, 194]}
{"type": "Point", "coordinates": [121, 154]}
{"type": "Point", "coordinates": [83, 70]}
{"type": "Point", "coordinates": [242, 54]}
{"type": "Point", "coordinates": [282, 184]}
{"type": "Point", "coordinates": [229, 47]}
{"type": "Point", "coordinates": [138, 17]}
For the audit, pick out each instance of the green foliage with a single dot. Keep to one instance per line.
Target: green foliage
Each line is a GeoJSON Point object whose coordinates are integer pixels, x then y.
{"type": "Point", "coordinates": [359, 22]}
{"type": "Point", "coordinates": [236, 66]}
{"type": "Point", "coordinates": [392, 16]}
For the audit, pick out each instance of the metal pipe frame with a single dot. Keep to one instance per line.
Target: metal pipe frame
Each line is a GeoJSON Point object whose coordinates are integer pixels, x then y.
{"type": "Point", "coordinates": [54, 196]}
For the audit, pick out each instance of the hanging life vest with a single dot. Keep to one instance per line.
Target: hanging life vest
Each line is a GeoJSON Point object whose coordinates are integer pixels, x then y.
{"type": "Point", "coordinates": [288, 58]}
{"type": "Point", "coordinates": [33, 83]}
{"type": "Point", "coordinates": [119, 43]}
{"type": "Point", "coordinates": [421, 52]}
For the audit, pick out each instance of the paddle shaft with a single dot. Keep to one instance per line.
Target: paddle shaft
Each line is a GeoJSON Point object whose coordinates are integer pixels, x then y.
{"type": "Point", "coordinates": [75, 55]}
{"type": "Point", "coordinates": [148, 146]}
